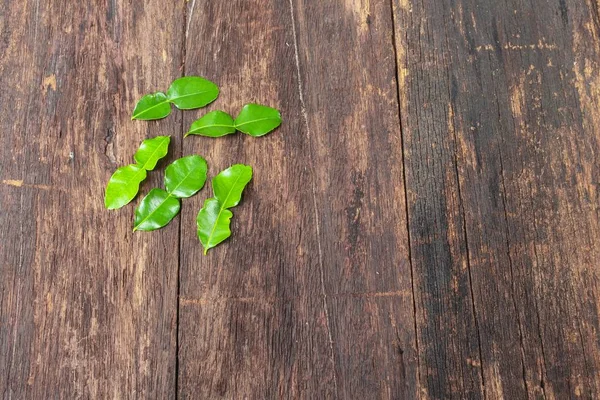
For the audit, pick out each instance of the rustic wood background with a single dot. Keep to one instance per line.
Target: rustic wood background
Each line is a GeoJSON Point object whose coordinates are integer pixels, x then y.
{"type": "Point", "coordinates": [425, 223]}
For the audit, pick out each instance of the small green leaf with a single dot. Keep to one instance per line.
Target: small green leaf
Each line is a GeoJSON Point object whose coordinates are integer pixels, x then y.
{"type": "Point", "coordinates": [192, 92]}
{"type": "Point", "coordinates": [152, 150]}
{"type": "Point", "coordinates": [213, 219]}
{"type": "Point", "coordinates": [213, 124]}
{"type": "Point", "coordinates": [213, 224]}
{"type": "Point", "coordinates": [156, 210]}
{"type": "Point", "coordinates": [123, 186]}
{"type": "Point", "coordinates": [186, 176]}
{"type": "Point", "coordinates": [257, 120]}
{"type": "Point", "coordinates": [230, 183]}
{"type": "Point", "coordinates": [152, 106]}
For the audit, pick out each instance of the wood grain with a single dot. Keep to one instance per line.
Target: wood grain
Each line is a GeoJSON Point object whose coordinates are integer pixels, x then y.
{"type": "Point", "coordinates": [424, 224]}
{"type": "Point", "coordinates": [498, 109]}
{"type": "Point", "coordinates": [252, 321]}
{"type": "Point", "coordinates": [87, 309]}
{"type": "Point", "coordinates": [311, 298]}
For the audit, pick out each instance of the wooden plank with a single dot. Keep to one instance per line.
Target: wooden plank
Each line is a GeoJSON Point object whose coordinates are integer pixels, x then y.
{"type": "Point", "coordinates": [346, 58]}
{"type": "Point", "coordinates": [311, 297]}
{"type": "Point", "coordinates": [87, 308]}
{"type": "Point", "coordinates": [499, 111]}
{"type": "Point", "coordinates": [252, 322]}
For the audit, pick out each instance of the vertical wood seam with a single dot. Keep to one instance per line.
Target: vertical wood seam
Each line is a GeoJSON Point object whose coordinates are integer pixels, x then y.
{"type": "Point", "coordinates": [535, 299]}
{"type": "Point", "coordinates": [184, 34]}
{"type": "Point", "coordinates": [464, 224]}
{"type": "Point", "coordinates": [512, 277]}
{"type": "Point", "coordinates": [470, 276]}
{"type": "Point", "coordinates": [508, 247]}
{"type": "Point", "coordinates": [409, 247]}
{"type": "Point", "coordinates": [468, 255]}
{"type": "Point", "coordinates": [544, 370]}
{"type": "Point", "coordinates": [314, 196]}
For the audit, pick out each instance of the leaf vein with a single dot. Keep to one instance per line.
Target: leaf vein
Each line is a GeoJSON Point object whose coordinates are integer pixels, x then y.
{"type": "Point", "coordinates": [256, 120]}
{"type": "Point", "coordinates": [171, 99]}
{"type": "Point", "coordinates": [150, 108]}
{"type": "Point", "coordinates": [155, 151]}
{"type": "Point", "coordinates": [221, 208]}
{"type": "Point", "coordinates": [153, 211]}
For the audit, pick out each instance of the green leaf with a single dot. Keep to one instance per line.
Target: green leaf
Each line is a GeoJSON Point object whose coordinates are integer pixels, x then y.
{"type": "Point", "coordinates": [152, 150]}
{"type": "Point", "coordinates": [213, 219]}
{"type": "Point", "coordinates": [123, 186]}
{"type": "Point", "coordinates": [213, 124]}
{"type": "Point", "coordinates": [156, 210]}
{"type": "Point", "coordinates": [185, 176]}
{"type": "Point", "coordinates": [152, 106]}
{"type": "Point", "coordinates": [192, 92]}
{"type": "Point", "coordinates": [256, 120]}
{"type": "Point", "coordinates": [213, 224]}
{"type": "Point", "coordinates": [230, 183]}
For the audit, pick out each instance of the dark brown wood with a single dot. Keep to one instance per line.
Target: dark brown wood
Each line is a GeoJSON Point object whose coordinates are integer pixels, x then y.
{"type": "Point", "coordinates": [499, 112]}
{"type": "Point", "coordinates": [87, 309]}
{"type": "Point", "coordinates": [424, 224]}
{"type": "Point", "coordinates": [311, 298]}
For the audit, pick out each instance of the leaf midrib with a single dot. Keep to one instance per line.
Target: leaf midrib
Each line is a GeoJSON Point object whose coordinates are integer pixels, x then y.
{"type": "Point", "coordinates": [221, 208]}
{"type": "Point", "coordinates": [181, 182]}
{"type": "Point", "coordinates": [169, 195]}
{"type": "Point", "coordinates": [128, 181]}
{"type": "Point", "coordinates": [168, 100]}
{"type": "Point", "coordinates": [154, 152]}
{"type": "Point", "coordinates": [171, 99]}
{"type": "Point", "coordinates": [256, 120]}
{"type": "Point", "coordinates": [196, 130]}
{"type": "Point", "coordinates": [150, 108]}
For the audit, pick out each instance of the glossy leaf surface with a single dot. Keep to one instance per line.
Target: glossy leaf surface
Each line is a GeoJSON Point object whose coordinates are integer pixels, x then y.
{"type": "Point", "coordinates": [230, 183]}
{"type": "Point", "coordinates": [185, 176]}
{"type": "Point", "coordinates": [214, 218]}
{"type": "Point", "coordinates": [151, 151]}
{"type": "Point", "coordinates": [213, 224]}
{"type": "Point", "coordinates": [155, 210]}
{"type": "Point", "coordinates": [213, 124]}
{"type": "Point", "coordinates": [123, 186]}
{"type": "Point", "coordinates": [152, 106]}
{"type": "Point", "coordinates": [192, 92]}
{"type": "Point", "coordinates": [257, 120]}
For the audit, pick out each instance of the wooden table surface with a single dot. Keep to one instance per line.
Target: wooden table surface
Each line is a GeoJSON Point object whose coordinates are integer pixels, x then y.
{"type": "Point", "coordinates": [424, 224]}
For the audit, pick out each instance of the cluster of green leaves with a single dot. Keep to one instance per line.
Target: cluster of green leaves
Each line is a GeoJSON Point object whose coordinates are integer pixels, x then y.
{"type": "Point", "coordinates": [254, 120]}
{"type": "Point", "coordinates": [187, 175]}
{"type": "Point", "coordinates": [124, 184]}
{"type": "Point", "coordinates": [183, 178]}
{"type": "Point", "coordinates": [186, 93]}
{"type": "Point", "coordinates": [214, 218]}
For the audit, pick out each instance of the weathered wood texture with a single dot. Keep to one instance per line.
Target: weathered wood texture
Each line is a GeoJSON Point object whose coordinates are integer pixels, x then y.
{"type": "Point", "coordinates": [87, 308]}
{"type": "Point", "coordinates": [319, 261]}
{"type": "Point", "coordinates": [424, 224]}
{"type": "Point", "coordinates": [499, 104]}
